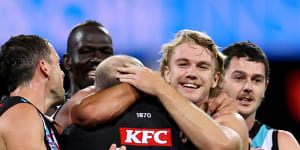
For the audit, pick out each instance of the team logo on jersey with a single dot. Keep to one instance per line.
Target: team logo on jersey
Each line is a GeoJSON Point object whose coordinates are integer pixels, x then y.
{"type": "Point", "coordinates": [146, 137]}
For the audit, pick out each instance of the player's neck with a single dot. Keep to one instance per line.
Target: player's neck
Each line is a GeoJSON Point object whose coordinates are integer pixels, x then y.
{"type": "Point", "coordinates": [33, 92]}
{"type": "Point", "coordinates": [73, 88]}
{"type": "Point", "coordinates": [250, 120]}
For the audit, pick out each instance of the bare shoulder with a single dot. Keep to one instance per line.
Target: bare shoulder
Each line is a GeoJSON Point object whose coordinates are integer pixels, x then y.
{"type": "Point", "coordinates": [235, 126]}
{"type": "Point", "coordinates": [2, 129]}
{"type": "Point", "coordinates": [89, 89]}
{"type": "Point", "coordinates": [233, 120]}
{"type": "Point", "coordinates": [21, 115]}
{"type": "Point", "coordinates": [18, 122]}
{"type": "Point", "coordinates": [286, 140]}
{"type": "Point", "coordinates": [77, 97]}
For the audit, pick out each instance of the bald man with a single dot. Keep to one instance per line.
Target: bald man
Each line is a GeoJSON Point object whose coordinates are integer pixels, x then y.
{"type": "Point", "coordinates": [145, 124]}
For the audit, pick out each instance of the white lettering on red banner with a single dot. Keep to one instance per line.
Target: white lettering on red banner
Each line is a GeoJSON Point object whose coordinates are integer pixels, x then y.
{"type": "Point", "coordinates": [146, 137]}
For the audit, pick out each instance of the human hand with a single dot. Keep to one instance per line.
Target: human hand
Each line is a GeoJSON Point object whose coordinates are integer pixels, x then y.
{"type": "Point", "coordinates": [143, 78]}
{"type": "Point", "coordinates": [114, 147]}
{"type": "Point", "coordinates": [221, 105]}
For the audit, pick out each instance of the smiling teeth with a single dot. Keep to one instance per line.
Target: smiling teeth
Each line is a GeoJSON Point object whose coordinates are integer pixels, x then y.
{"type": "Point", "coordinates": [92, 73]}
{"type": "Point", "coordinates": [245, 99]}
{"type": "Point", "coordinates": [190, 85]}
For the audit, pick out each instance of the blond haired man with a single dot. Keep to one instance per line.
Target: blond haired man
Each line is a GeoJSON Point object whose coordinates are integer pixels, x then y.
{"type": "Point", "coordinates": [192, 69]}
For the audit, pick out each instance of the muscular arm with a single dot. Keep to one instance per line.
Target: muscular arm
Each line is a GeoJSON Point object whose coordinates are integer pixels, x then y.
{"type": "Point", "coordinates": [287, 141]}
{"type": "Point", "coordinates": [63, 116]}
{"type": "Point", "coordinates": [104, 105]}
{"type": "Point", "coordinates": [23, 128]}
{"type": "Point", "coordinates": [224, 132]}
{"type": "Point", "coordinates": [227, 131]}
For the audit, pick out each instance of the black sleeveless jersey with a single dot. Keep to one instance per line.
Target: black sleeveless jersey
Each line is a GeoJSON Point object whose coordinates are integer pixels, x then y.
{"type": "Point", "coordinates": [263, 136]}
{"type": "Point", "coordinates": [144, 126]}
{"type": "Point", "coordinates": [50, 131]}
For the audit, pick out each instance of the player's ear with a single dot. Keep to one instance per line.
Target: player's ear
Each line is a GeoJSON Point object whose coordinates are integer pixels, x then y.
{"type": "Point", "coordinates": [43, 66]}
{"type": "Point", "coordinates": [266, 85]}
{"type": "Point", "coordinates": [167, 74]}
{"type": "Point", "coordinates": [67, 62]}
{"type": "Point", "coordinates": [215, 79]}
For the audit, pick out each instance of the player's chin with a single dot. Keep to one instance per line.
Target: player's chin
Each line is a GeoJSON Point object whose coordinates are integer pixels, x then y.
{"type": "Point", "coordinates": [192, 97]}
{"type": "Point", "coordinates": [245, 111]}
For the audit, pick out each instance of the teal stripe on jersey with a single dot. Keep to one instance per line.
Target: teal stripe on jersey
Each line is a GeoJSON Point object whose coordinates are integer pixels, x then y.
{"type": "Point", "coordinates": [259, 139]}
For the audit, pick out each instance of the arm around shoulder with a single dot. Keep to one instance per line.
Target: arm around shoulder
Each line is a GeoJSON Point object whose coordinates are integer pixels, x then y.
{"type": "Point", "coordinates": [104, 105]}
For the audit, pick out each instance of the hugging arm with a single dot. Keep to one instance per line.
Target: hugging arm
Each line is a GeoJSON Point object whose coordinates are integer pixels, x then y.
{"type": "Point", "coordinates": [224, 131]}
{"type": "Point", "coordinates": [104, 105]}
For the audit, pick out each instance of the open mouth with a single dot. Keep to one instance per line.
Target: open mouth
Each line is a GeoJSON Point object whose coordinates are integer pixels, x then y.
{"type": "Point", "coordinates": [190, 85]}
{"type": "Point", "coordinates": [245, 100]}
{"type": "Point", "coordinates": [92, 74]}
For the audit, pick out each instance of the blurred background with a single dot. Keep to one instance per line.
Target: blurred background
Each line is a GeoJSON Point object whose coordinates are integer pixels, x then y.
{"type": "Point", "coordinates": [140, 27]}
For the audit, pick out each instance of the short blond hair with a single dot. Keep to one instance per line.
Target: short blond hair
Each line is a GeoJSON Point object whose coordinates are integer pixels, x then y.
{"type": "Point", "coordinates": [197, 38]}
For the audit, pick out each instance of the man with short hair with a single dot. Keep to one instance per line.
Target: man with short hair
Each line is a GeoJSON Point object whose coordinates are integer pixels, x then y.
{"type": "Point", "coordinates": [30, 68]}
{"type": "Point", "coordinates": [246, 80]}
{"type": "Point", "coordinates": [89, 43]}
{"type": "Point", "coordinates": [144, 125]}
{"type": "Point", "coordinates": [192, 68]}
{"type": "Point", "coordinates": [105, 79]}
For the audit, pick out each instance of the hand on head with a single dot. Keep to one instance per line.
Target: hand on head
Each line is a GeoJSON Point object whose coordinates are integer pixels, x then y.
{"type": "Point", "coordinates": [142, 78]}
